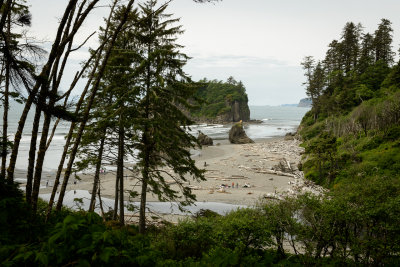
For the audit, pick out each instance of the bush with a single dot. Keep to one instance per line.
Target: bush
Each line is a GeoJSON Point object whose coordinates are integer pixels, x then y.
{"type": "Point", "coordinates": [190, 238]}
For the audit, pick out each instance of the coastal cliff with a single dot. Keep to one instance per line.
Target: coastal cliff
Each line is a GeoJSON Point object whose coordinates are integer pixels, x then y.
{"type": "Point", "coordinates": [224, 102]}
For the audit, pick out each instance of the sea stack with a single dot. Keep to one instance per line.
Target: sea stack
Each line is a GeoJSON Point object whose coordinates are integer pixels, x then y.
{"type": "Point", "coordinates": [237, 135]}
{"type": "Point", "coordinates": [204, 140]}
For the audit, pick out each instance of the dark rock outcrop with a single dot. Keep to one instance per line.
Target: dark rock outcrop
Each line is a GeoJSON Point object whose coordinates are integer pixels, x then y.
{"type": "Point", "coordinates": [236, 111]}
{"type": "Point", "coordinates": [237, 135]}
{"type": "Point", "coordinates": [290, 136]}
{"type": "Point", "coordinates": [239, 111]}
{"type": "Point", "coordinates": [204, 140]}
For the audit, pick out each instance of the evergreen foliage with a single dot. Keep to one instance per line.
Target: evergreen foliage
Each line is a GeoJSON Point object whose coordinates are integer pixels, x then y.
{"type": "Point", "coordinates": [217, 97]}
{"type": "Point", "coordinates": [164, 88]}
{"type": "Point", "coordinates": [352, 129]}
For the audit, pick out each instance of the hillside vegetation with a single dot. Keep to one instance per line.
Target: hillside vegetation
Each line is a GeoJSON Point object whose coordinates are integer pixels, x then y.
{"type": "Point", "coordinates": [353, 130]}
{"type": "Point", "coordinates": [224, 101]}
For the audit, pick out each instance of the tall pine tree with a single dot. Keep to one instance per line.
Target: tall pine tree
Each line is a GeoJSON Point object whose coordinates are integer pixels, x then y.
{"type": "Point", "coordinates": [165, 141]}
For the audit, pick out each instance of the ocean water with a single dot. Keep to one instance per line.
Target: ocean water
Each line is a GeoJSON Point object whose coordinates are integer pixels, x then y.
{"type": "Point", "coordinates": [276, 121]}
{"type": "Point", "coordinates": [158, 207]}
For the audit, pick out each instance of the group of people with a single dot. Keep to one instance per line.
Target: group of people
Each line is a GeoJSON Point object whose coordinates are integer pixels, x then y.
{"type": "Point", "coordinates": [229, 186]}
{"type": "Point", "coordinates": [224, 186]}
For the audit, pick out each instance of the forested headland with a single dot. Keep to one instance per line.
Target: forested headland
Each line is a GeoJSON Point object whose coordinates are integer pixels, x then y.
{"type": "Point", "coordinates": [221, 102]}
{"type": "Point", "coordinates": [131, 106]}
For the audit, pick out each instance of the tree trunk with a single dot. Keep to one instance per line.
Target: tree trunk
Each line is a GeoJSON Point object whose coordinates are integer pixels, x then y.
{"type": "Point", "coordinates": [32, 155]}
{"type": "Point", "coordinates": [5, 119]}
{"type": "Point", "coordinates": [120, 169]}
{"type": "Point", "coordinates": [40, 160]}
{"type": "Point", "coordinates": [42, 78]}
{"type": "Point", "coordinates": [142, 211]}
{"type": "Point", "coordinates": [101, 204]}
{"type": "Point", "coordinates": [18, 134]}
{"type": "Point", "coordinates": [116, 198]}
{"type": "Point", "coordinates": [46, 123]}
{"type": "Point", "coordinates": [89, 105]}
{"type": "Point", "coordinates": [146, 143]}
{"type": "Point", "coordinates": [97, 175]}
{"type": "Point", "coordinates": [72, 127]}
{"type": "Point", "coordinates": [59, 170]}
{"type": "Point", "coordinates": [6, 106]}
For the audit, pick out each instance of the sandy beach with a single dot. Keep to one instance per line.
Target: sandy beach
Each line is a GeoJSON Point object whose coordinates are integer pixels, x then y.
{"type": "Point", "coordinates": [236, 174]}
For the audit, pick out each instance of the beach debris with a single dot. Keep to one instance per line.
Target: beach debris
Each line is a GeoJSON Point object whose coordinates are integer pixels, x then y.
{"type": "Point", "coordinates": [223, 190]}
{"type": "Point", "coordinates": [246, 185]}
{"type": "Point", "coordinates": [272, 196]}
{"type": "Point", "coordinates": [284, 166]}
{"type": "Point", "coordinates": [238, 176]}
{"type": "Point", "coordinates": [266, 171]}
{"type": "Point", "coordinates": [194, 187]}
{"type": "Point", "coordinates": [249, 193]}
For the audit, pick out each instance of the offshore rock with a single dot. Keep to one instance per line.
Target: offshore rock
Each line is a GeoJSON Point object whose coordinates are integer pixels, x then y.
{"type": "Point", "coordinates": [237, 135]}
{"type": "Point", "coordinates": [204, 140]}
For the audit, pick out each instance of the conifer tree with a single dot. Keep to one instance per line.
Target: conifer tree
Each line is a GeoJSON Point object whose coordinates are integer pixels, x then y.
{"type": "Point", "coordinates": [164, 141]}
{"type": "Point", "coordinates": [95, 81]}
{"type": "Point", "coordinates": [383, 42]}
{"type": "Point", "coordinates": [350, 45]}
{"type": "Point", "coordinates": [367, 53]}
{"type": "Point", "coordinates": [112, 112]}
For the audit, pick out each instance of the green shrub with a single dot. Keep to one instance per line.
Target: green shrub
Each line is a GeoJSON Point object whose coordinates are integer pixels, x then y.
{"type": "Point", "coordinates": [190, 238]}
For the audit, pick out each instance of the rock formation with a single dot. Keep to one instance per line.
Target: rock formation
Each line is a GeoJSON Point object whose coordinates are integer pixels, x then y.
{"type": "Point", "coordinates": [290, 136]}
{"type": "Point", "coordinates": [236, 111]}
{"type": "Point", "coordinates": [204, 140]}
{"type": "Point", "coordinates": [237, 135]}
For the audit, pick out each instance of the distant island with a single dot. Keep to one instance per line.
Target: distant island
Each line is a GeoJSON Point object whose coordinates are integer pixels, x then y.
{"type": "Point", "coordinates": [305, 102]}
{"type": "Point", "coordinates": [289, 105]}
{"type": "Point", "coordinates": [224, 102]}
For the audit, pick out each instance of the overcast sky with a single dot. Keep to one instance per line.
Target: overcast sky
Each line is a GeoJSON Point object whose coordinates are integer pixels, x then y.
{"type": "Point", "coordinates": [260, 42]}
